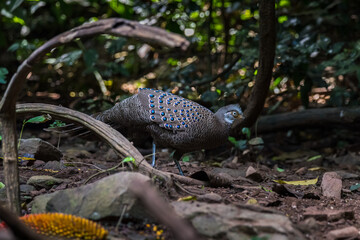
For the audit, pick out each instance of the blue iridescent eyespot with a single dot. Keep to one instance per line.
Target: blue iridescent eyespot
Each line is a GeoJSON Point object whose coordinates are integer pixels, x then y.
{"type": "Point", "coordinates": [187, 111]}
{"type": "Point", "coordinates": [170, 126]}
{"type": "Point", "coordinates": [161, 107]}
{"type": "Point", "coordinates": [178, 126]}
{"type": "Point", "coordinates": [186, 125]}
{"type": "Point", "coordinates": [188, 115]}
{"type": "Point", "coordinates": [184, 118]}
{"type": "Point", "coordinates": [161, 101]}
{"type": "Point", "coordinates": [151, 95]}
{"type": "Point", "coordinates": [152, 111]}
{"type": "Point", "coordinates": [175, 111]}
{"type": "Point", "coordinates": [152, 105]}
{"type": "Point", "coordinates": [168, 109]}
{"type": "Point", "coordinates": [153, 117]}
{"type": "Point", "coordinates": [151, 101]}
{"type": "Point", "coordinates": [162, 114]}
{"type": "Point", "coordinates": [172, 119]}
{"type": "Point", "coordinates": [164, 118]}
{"type": "Point", "coordinates": [183, 123]}
{"type": "Point", "coordinates": [166, 125]}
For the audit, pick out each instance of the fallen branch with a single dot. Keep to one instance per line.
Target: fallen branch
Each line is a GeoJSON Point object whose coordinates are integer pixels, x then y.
{"type": "Point", "coordinates": [114, 138]}
{"type": "Point", "coordinates": [311, 118]}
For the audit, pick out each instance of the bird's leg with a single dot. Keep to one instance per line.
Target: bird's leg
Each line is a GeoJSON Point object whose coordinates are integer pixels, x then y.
{"type": "Point", "coordinates": [153, 154]}
{"type": "Point", "coordinates": [175, 156]}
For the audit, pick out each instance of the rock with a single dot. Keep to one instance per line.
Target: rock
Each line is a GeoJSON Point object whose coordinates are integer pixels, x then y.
{"type": "Point", "coordinates": [111, 156]}
{"type": "Point", "coordinates": [235, 173]}
{"type": "Point", "coordinates": [26, 189]}
{"type": "Point", "coordinates": [344, 233]}
{"type": "Point", "coordinates": [54, 165]}
{"type": "Point", "coordinates": [347, 175]}
{"type": "Point", "coordinates": [328, 214]}
{"type": "Point", "coordinates": [40, 149]}
{"type": "Point", "coordinates": [331, 185]}
{"type": "Point", "coordinates": [254, 175]}
{"type": "Point", "coordinates": [75, 153]}
{"type": "Point", "coordinates": [104, 198]}
{"type": "Point", "coordinates": [232, 222]}
{"type": "Point", "coordinates": [210, 198]}
{"type": "Point", "coordinates": [308, 225]}
{"type": "Point", "coordinates": [44, 181]}
{"type": "Point", "coordinates": [26, 192]}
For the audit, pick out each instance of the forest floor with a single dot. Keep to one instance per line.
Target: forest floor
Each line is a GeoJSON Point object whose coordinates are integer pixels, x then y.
{"type": "Point", "coordinates": [295, 155]}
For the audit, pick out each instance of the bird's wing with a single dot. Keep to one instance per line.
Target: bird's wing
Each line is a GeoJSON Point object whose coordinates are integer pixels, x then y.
{"type": "Point", "coordinates": [171, 111]}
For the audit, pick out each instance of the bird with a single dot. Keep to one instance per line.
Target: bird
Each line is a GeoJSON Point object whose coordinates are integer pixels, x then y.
{"type": "Point", "coordinates": [172, 121]}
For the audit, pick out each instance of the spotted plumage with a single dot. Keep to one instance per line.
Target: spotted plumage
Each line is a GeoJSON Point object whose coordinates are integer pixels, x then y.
{"type": "Point", "coordinates": [171, 120]}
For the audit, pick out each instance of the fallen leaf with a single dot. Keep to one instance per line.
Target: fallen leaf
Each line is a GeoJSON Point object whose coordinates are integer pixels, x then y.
{"type": "Point", "coordinates": [301, 182]}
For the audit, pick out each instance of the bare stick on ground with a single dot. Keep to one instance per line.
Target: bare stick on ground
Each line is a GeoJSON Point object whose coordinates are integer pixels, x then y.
{"type": "Point", "coordinates": [163, 212]}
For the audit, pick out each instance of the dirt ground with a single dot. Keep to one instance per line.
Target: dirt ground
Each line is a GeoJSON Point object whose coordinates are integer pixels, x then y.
{"type": "Point", "coordinates": [290, 156]}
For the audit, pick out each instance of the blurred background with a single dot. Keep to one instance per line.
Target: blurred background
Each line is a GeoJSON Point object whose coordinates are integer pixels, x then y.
{"type": "Point", "coordinates": [317, 55]}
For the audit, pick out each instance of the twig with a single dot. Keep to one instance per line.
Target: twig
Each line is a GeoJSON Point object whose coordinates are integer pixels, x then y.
{"type": "Point", "coordinates": [161, 210]}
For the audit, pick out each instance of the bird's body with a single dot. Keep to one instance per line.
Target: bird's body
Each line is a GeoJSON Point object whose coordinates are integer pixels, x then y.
{"type": "Point", "coordinates": [172, 121]}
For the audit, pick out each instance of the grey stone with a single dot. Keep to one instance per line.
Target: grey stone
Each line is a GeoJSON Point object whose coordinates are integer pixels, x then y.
{"type": "Point", "coordinates": [44, 181]}
{"type": "Point", "coordinates": [26, 189]}
{"type": "Point", "coordinates": [54, 165]}
{"type": "Point", "coordinates": [210, 197]}
{"type": "Point", "coordinates": [331, 185]}
{"type": "Point", "coordinates": [232, 222]}
{"type": "Point", "coordinates": [104, 198]}
{"type": "Point", "coordinates": [40, 149]}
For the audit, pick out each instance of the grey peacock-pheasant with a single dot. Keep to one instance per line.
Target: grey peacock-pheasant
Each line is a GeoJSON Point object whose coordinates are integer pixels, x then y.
{"type": "Point", "coordinates": [172, 121]}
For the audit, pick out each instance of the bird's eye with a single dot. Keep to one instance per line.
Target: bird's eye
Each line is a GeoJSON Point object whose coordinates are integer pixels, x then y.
{"type": "Point", "coordinates": [235, 114]}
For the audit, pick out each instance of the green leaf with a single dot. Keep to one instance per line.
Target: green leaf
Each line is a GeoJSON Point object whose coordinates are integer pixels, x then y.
{"type": "Point", "coordinates": [314, 158]}
{"type": "Point", "coordinates": [57, 123]}
{"type": "Point", "coordinates": [39, 119]}
{"type": "Point", "coordinates": [280, 169]}
{"type": "Point", "coordinates": [186, 158]}
{"type": "Point", "coordinates": [128, 159]}
{"type": "Point", "coordinates": [2, 185]}
{"type": "Point", "coordinates": [247, 132]}
{"type": "Point", "coordinates": [0, 137]}
{"type": "Point", "coordinates": [354, 187]}
{"type": "Point", "coordinates": [3, 73]}
{"type": "Point", "coordinates": [90, 57]}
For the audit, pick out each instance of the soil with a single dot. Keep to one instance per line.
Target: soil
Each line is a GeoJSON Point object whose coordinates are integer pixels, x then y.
{"type": "Point", "coordinates": [293, 155]}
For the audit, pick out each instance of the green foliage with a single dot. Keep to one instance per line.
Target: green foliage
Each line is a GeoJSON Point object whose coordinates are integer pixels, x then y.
{"type": "Point", "coordinates": [129, 160]}
{"type": "Point", "coordinates": [57, 123]}
{"type": "Point", "coordinates": [3, 73]}
{"type": "Point", "coordinates": [37, 120]}
{"type": "Point", "coordinates": [2, 185]}
{"type": "Point", "coordinates": [317, 47]}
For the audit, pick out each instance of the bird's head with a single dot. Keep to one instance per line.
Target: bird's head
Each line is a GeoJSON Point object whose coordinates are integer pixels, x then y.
{"type": "Point", "coordinates": [229, 114]}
